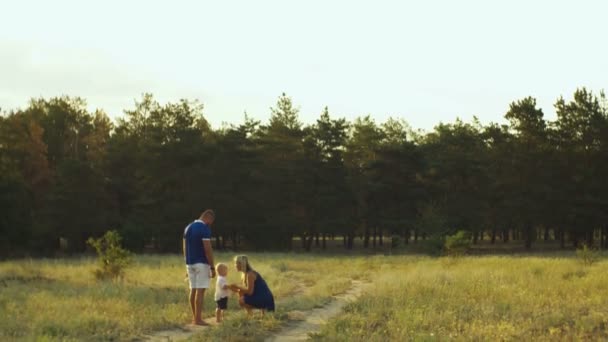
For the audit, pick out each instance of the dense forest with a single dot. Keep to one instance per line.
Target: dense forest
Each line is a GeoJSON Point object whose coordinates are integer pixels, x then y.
{"type": "Point", "coordinates": [67, 174]}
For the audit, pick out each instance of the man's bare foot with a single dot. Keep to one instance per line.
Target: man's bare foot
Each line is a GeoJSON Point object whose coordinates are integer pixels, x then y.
{"type": "Point", "coordinates": [201, 323]}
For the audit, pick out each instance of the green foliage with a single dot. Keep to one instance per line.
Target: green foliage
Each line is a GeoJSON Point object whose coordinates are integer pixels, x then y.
{"type": "Point", "coordinates": [432, 246]}
{"type": "Point", "coordinates": [431, 220]}
{"type": "Point", "coordinates": [133, 238]}
{"type": "Point", "coordinates": [587, 255]}
{"type": "Point", "coordinates": [285, 116]}
{"type": "Point", "coordinates": [112, 258]}
{"type": "Point", "coordinates": [395, 241]}
{"type": "Point", "coordinates": [15, 210]}
{"type": "Point", "coordinates": [457, 244]}
{"type": "Point", "coordinates": [67, 172]}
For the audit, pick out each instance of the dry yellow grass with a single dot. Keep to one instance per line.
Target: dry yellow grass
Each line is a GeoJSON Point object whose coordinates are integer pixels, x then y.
{"type": "Point", "coordinates": [482, 298]}
{"type": "Point", "coordinates": [61, 300]}
{"type": "Point", "coordinates": [413, 298]}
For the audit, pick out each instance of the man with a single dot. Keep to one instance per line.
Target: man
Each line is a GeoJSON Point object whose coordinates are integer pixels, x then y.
{"type": "Point", "coordinates": [199, 261]}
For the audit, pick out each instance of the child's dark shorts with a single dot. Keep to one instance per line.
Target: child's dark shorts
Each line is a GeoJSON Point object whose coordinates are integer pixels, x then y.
{"type": "Point", "coordinates": [222, 303]}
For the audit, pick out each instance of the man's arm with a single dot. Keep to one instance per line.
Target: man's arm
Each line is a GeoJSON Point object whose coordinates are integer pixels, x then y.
{"type": "Point", "coordinates": [209, 255]}
{"type": "Point", "coordinates": [184, 247]}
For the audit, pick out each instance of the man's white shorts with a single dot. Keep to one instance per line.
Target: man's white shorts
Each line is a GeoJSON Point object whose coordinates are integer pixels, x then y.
{"type": "Point", "coordinates": [199, 275]}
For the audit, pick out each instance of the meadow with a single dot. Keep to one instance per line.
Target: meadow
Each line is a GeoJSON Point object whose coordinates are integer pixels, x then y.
{"type": "Point", "coordinates": [540, 297]}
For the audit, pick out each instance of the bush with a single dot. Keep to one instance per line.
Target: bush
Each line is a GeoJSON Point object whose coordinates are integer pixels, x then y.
{"type": "Point", "coordinates": [112, 258]}
{"type": "Point", "coordinates": [457, 244]}
{"type": "Point", "coordinates": [587, 255]}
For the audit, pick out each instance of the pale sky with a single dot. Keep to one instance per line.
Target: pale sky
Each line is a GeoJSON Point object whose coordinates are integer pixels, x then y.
{"type": "Point", "coordinates": [423, 61]}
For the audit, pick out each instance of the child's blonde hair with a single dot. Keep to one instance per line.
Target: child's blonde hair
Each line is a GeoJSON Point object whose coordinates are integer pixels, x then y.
{"type": "Point", "coordinates": [220, 265]}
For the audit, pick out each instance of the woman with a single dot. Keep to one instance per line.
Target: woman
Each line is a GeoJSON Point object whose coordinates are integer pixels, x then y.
{"type": "Point", "coordinates": [255, 293]}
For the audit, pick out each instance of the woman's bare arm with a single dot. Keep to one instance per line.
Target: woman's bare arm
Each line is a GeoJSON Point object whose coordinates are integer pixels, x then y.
{"type": "Point", "coordinates": [250, 283]}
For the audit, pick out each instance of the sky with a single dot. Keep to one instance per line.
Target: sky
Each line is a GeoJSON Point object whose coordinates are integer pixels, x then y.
{"type": "Point", "coordinates": [422, 61]}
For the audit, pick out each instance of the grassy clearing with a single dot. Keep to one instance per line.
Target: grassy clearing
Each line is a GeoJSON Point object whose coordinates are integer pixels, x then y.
{"type": "Point", "coordinates": [412, 298]}
{"type": "Point", "coordinates": [483, 298]}
{"type": "Point", "coordinates": [61, 300]}
{"type": "Point", "coordinates": [299, 283]}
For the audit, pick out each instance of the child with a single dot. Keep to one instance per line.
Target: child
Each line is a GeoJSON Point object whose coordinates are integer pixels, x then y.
{"type": "Point", "coordinates": [221, 292]}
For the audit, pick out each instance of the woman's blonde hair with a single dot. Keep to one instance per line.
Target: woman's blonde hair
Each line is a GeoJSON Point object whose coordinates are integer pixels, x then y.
{"type": "Point", "coordinates": [245, 266]}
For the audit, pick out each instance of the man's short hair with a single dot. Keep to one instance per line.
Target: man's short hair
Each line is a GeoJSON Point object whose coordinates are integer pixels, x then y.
{"type": "Point", "coordinates": [208, 212]}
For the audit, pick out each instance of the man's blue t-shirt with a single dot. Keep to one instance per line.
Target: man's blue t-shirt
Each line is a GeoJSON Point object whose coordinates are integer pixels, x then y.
{"type": "Point", "coordinates": [194, 235]}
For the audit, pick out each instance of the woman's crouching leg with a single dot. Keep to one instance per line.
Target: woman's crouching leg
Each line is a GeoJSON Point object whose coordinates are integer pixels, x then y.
{"type": "Point", "coordinates": [245, 305]}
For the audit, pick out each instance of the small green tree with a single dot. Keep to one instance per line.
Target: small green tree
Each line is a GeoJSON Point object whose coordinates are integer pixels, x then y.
{"type": "Point", "coordinates": [112, 258]}
{"type": "Point", "coordinates": [457, 244]}
{"type": "Point", "coordinates": [587, 255]}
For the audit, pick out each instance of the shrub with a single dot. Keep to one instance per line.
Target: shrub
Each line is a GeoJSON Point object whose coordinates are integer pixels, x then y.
{"type": "Point", "coordinates": [112, 258]}
{"type": "Point", "coordinates": [587, 255]}
{"type": "Point", "coordinates": [457, 244]}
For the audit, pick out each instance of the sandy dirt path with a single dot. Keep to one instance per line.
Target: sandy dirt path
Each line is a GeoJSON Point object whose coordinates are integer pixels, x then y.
{"type": "Point", "coordinates": [304, 322]}
{"type": "Point", "coordinates": [314, 319]}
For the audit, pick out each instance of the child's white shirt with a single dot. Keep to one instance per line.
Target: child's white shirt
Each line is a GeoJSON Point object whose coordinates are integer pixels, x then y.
{"type": "Point", "coordinates": [220, 292]}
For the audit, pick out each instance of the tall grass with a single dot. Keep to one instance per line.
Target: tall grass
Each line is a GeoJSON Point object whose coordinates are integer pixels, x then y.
{"type": "Point", "coordinates": [411, 298]}
{"type": "Point", "coordinates": [62, 300]}
{"type": "Point", "coordinates": [485, 298]}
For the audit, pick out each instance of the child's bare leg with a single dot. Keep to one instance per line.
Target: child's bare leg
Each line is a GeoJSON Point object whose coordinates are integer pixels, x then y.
{"type": "Point", "coordinates": [218, 315]}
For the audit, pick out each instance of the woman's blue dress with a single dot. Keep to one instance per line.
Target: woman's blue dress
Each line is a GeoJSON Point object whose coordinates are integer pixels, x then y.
{"type": "Point", "coordinates": [261, 298]}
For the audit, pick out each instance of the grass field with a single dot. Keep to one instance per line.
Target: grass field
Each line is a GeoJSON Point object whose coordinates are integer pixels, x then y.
{"type": "Point", "coordinates": [61, 300]}
{"type": "Point", "coordinates": [412, 298]}
{"type": "Point", "coordinates": [484, 298]}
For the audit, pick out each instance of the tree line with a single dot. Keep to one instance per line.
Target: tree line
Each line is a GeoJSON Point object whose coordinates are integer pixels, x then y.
{"type": "Point", "coordinates": [67, 174]}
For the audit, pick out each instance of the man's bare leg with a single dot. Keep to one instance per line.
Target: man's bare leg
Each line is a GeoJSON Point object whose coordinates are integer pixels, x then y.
{"type": "Point", "coordinates": [200, 294]}
{"type": "Point", "coordinates": [193, 304]}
